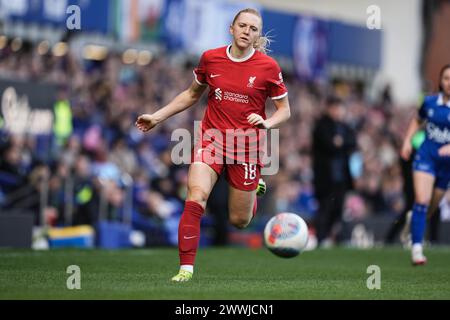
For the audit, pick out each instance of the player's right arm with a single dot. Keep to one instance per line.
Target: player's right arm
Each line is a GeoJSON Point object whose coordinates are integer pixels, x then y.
{"type": "Point", "coordinates": [183, 101]}
{"type": "Point", "coordinates": [414, 125]}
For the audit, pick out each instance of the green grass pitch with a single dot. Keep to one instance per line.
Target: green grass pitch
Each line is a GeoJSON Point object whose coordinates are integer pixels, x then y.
{"type": "Point", "coordinates": [223, 273]}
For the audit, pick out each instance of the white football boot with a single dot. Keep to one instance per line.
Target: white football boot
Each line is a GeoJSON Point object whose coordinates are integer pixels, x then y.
{"type": "Point", "coordinates": [417, 256]}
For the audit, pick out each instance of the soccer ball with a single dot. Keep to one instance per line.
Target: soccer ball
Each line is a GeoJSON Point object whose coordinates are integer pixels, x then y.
{"type": "Point", "coordinates": [286, 235]}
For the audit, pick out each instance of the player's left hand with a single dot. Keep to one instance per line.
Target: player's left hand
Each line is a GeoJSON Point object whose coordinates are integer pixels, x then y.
{"type": "Point", "coordinates": [444, 151]}
{"type": "Point", "coordinates": [257, 120]}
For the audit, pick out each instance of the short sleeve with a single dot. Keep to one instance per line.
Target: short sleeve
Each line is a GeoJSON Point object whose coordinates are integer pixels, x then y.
{"type": "Point", "coordinates": [423, 110]}
{"type": "Point", "coordinates": [200, 71]}
{"type": "Point", "coordinates": [275, 84]}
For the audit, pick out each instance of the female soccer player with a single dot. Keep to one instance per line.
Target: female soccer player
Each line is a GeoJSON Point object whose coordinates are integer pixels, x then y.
{"type": "Point", "coordinates": [240, 77]}
{"type": "Point", "coordinates": [431, 167]}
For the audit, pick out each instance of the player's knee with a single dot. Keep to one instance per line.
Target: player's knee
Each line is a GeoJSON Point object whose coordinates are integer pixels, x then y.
{"type": "Point", "coordinates": [423, 200]}
{"type": "Point", "coordinates": [196, 194]}
{"type": "Point", "coordinates": [239, 222]}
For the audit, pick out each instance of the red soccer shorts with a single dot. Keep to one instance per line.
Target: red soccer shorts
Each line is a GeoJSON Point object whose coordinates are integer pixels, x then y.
{"type": "Point", "coordinates": [242, 176]}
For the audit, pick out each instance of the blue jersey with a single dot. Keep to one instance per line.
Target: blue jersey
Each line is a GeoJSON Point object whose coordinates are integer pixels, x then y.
{"type": "Point", "coordinates": [437, 117]}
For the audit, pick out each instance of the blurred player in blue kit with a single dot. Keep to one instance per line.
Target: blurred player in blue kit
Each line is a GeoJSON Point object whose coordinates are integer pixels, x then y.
{"type": "Point", "coordinates": [431, 166]}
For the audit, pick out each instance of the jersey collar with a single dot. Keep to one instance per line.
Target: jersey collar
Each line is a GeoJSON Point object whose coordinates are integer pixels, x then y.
{"type": "Point", "coordinates": [440, 101]}
{"type": "Point", "coordinates": [252, 52]}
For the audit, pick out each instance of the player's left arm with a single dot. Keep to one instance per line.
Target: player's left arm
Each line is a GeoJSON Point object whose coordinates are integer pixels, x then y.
{"type": "Point", "coordinates": [276, 90]}
{"type": "Point", "coordinates": [282, 114]}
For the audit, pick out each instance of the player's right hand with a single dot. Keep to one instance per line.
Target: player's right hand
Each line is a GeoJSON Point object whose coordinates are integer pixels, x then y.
{"type": "Point", "coordinates": [406, 151]}
{"type": "Point", "coordinates": [145, 122]}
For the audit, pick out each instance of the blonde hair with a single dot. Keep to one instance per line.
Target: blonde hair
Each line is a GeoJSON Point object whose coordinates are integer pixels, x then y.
{"type": "Point", "coordinates": [263, 42]}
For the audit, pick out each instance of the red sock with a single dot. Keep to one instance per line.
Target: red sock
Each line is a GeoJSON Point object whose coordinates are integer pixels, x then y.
{"type": "Point", "coordinates": [189, 232]}
{"type": "Point", "coordinates": [255, 207]}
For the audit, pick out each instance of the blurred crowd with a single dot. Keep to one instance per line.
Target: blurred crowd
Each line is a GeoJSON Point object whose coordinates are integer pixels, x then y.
{"type": "Point", "coordinates": [105, 166]}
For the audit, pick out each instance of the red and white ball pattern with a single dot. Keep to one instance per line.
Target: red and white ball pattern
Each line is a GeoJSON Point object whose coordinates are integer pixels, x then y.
{"type": "Point", "coordinates": [286, 234]}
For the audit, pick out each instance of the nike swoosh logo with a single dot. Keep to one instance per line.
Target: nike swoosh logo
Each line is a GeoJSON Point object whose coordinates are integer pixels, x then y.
{"type": "Point", "coordinates": [187, 238]}
{"type": "Point", "coordinates": [247, 183]}
{"type": "Point", "coordinates": [214, 75]}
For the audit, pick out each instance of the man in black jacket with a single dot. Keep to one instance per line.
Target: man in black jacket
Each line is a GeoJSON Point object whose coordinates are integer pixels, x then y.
{"type": "Point", "coordinates": [333, 143]}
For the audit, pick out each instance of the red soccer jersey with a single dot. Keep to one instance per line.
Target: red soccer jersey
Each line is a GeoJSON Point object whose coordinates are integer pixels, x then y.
{"type": "Point", "coordinates": [238, 88]}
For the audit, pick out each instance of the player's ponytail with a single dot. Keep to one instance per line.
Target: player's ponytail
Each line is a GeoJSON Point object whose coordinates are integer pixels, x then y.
{"type": "Point", "coordinates": [441, 74]}
{"type": "Point", "coordinates": [262, 44]}
{"type": "Point", "coordinates": [263, 41]}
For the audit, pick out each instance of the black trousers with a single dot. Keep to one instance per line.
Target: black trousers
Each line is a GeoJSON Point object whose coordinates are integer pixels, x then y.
{"type": "Point", "coordinates": [330, 210]}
